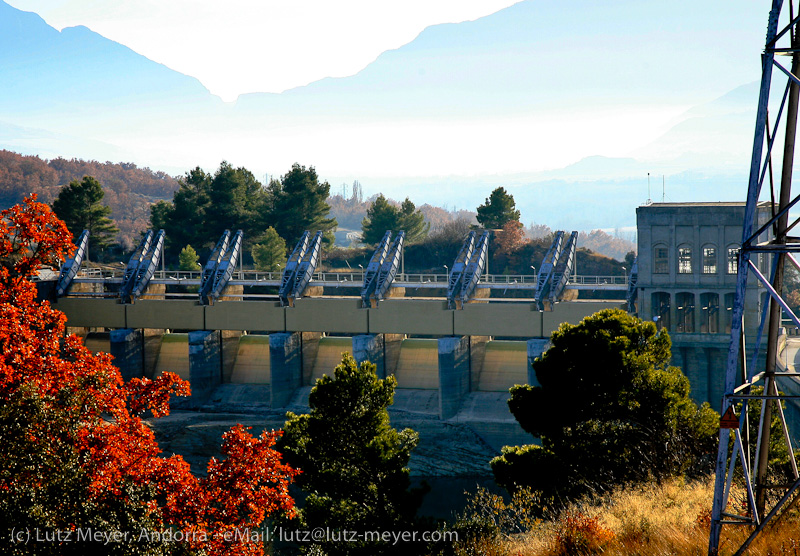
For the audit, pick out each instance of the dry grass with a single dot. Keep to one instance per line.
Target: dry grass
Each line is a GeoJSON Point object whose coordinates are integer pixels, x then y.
{"type": "Point", "coordinates": [654, 520]}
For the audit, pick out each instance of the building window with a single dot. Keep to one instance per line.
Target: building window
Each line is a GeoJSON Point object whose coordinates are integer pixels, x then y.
{"type": "Point", "coordinates": [660, 260]}
{"type": "Point", "coordinates": [684, 312]}
{"type": "Point", "coordinates": [684, 260]}
{"type": "Point", "coordinates": [660, 304]}
{"type": "Point", "coordinates": [729, 297]}
{"type": "Point", "coordinates": [709, 313]}
{"type": "Point", "coordinates": [733, 260]}
{"type": "Point", "coordinates": [709, 260]}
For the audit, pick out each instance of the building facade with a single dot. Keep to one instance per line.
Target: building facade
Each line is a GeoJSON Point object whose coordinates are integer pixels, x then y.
{"type": "Point", "coordinates": [688, 262]}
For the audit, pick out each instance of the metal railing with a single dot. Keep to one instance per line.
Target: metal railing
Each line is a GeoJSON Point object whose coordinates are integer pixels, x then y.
{"type": "Point", "coordinates": [93, 274]}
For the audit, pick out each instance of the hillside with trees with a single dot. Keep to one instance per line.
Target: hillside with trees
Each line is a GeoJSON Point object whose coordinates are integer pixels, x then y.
{"type": "Point", "coordinates": [129, 190]}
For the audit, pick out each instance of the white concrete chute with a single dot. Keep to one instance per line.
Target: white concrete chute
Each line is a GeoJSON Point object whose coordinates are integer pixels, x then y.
{"type": "Point", "coordinates": [129, 277]}
{"type": "Point", "coordinates": [546, 269]}
{"type": "Point", "coordinates": [226, 267]}
{"type": "Point", "coordinates": [305, 270]}
{"type": "Point", "coordinates": [373, 269]}
{"type": "Point", "coordinates": [290, 271]}
{"type": "Point", "coordinates": [455, 279]}
{"type": "Point", "coordinates": [210, 270]}
{"type": "Point", "coordinates": [72, 265]}
{"type": "Point", "coordinates": [474, 269]}
{"type": "Point", "coordinates": [388, 270]}
{"type": "Point", "coordinates": [146, 269]}
{"type": "Point", "coordinates": [563, 268]}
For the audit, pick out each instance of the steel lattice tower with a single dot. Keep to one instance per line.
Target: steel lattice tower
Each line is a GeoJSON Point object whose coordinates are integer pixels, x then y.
{"type": "Point", "coordinates": [766, 501]}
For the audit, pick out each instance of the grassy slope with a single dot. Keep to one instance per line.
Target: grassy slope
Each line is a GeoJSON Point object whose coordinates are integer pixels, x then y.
{"type": "Point", "coordinates": [667, 519]}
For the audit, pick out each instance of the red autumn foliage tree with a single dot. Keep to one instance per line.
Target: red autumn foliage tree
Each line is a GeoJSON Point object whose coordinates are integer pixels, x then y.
{"type": "Point", "coordinates": [76, 452]}
{"type": "Point", "coordinates": [507, 243]}
{"type": "Point", "coordinates": [510, 238]}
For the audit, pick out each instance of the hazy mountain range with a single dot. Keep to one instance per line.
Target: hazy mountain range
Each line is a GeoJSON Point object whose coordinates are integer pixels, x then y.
{"type": "Point", "coordinates": [569, 108]}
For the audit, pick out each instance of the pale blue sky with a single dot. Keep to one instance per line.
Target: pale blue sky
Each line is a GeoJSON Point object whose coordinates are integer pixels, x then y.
{"type": "Point", "coordinates": [513, 92]}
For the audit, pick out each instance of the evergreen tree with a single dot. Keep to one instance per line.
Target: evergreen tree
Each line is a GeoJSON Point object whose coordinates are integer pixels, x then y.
{"type": "Point", "coordinates": [236, 200]}
{"type": "Point", "coordinates": [188, 259]}
{"type": "Point", "coordinates": [353, 462]}
{"type": "Point", "coordinates": [159, 214]}
{"type": "Point", "coordinates": [413, 222]}
{"type": "Point", "coordinates": [270, 253]}
{"type": "Point", "coordinates": [609, 411]}
{"type": "Point", "coordinates": [205, 205]}
{"type": "Point", "coordinates": [298, 203]}
{"type": "Point", "coordinates": [382, 216]}
{"type": "Point", "coordinates": [79, 206]}
{"type": "Point", "coordinates": [498, 209]}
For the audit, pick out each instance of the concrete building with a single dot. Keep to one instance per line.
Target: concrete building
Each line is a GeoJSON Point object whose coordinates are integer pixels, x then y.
{"type": "Point", "coordinates": [688, 257]}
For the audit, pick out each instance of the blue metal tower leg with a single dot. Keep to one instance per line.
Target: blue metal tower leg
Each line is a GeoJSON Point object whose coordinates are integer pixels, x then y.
{"type": "Point", "coordinates": [750, 245]}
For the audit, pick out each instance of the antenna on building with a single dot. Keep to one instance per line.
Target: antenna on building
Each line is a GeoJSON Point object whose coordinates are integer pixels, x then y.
{"type": "Point", "coordinates": [663, 187]}
{"type": "Point", "coordinates": [649, 200]}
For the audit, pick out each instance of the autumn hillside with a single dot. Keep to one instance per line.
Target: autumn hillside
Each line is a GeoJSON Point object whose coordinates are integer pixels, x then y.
{"type": "Point", "coordinates": [129, 190]}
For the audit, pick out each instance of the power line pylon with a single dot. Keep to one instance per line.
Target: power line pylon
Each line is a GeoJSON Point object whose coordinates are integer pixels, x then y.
{"type": "Point", "coordinates": [766, 501]}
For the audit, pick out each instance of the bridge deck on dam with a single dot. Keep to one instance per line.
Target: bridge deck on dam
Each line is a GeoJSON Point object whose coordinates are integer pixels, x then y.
{"type": "Point", "coordinates": [331, 315]}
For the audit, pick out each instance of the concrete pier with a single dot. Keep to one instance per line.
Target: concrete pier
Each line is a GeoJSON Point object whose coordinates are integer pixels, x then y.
{"type": "Point", "coordinates": [536, 347]}
{"type": "Point", "coordinates": [369, 347]}
{"type": "Point", "coordinates": [454, 376]}
{"type": "Point", "coordinates": [285, 357]}
{"type": "Point", "coordinates": [127, 347]}
{"type": "Point", "coordinates": [205, 363]}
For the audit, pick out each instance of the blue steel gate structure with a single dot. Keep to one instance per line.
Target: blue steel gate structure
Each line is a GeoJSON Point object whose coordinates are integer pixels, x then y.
{"type": "Point", "coordinates": [767, 499]}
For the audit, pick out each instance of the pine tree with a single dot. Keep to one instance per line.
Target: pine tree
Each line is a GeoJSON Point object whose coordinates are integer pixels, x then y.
{"type": "Point", "coordinates": [189, 260]}
{"type": "Point", "coordinates": [609, 411]}
{"type": "Point", "coordinates": [498, 209]}
{"type": "Point", "coordinates": [381, 216]}
{"type": "Point", "coordinates": [353, 462]}
{"type": "Point", "coordinates": [299, 203]}
{"type": "Point", "coordinates": [206, 205]}
{"type": "Point", "coordinates": [79, 206]}
{"type": "Point", "coordinates": [413, 222]}
{"type": "Point", "coordinates": [270, 253]}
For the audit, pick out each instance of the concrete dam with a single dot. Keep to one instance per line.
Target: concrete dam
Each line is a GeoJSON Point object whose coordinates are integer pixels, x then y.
{"type": "Point", "coordinates": [251, 355]}
{"type": "Point", "coordinates": [451, 366]}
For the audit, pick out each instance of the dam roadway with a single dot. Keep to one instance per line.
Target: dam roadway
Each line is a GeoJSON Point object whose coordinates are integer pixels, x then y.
{"type": "Point", "coordinates": [332, 315]}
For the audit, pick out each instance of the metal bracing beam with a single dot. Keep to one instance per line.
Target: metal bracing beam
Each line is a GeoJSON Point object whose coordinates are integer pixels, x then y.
{"type": "Point", "coordinates": [756, 464]}
{"type": "Point", "coordinates": [290, 271]}
{"type": "Point", "coordinates": [225, 268]}
{"type": "Point", "coordinates": [146, 269]}
{"type": "Point", "coordinates": [563, 268]}
{"type": "Point", "coordinates": [305, 270]}
{"type": "Point", "coordinates": [472, 274]}
{"type": "Point", "coordinates": [633, 291]}
{"type": "Point", "coordinates": [546, 269]}
{"type": "Point", "coordinates": [373, 268]}
{"type": "Point", "coordinates": [455, 279]}
{"type": "Point", "coordinates": [210, 270]}
{"type": "Point", "coordinates": [72, 265]}
{"type": "Point", "coordinates": [389, 267]}
{"type": "Point", "coordinates": [133, 265]}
